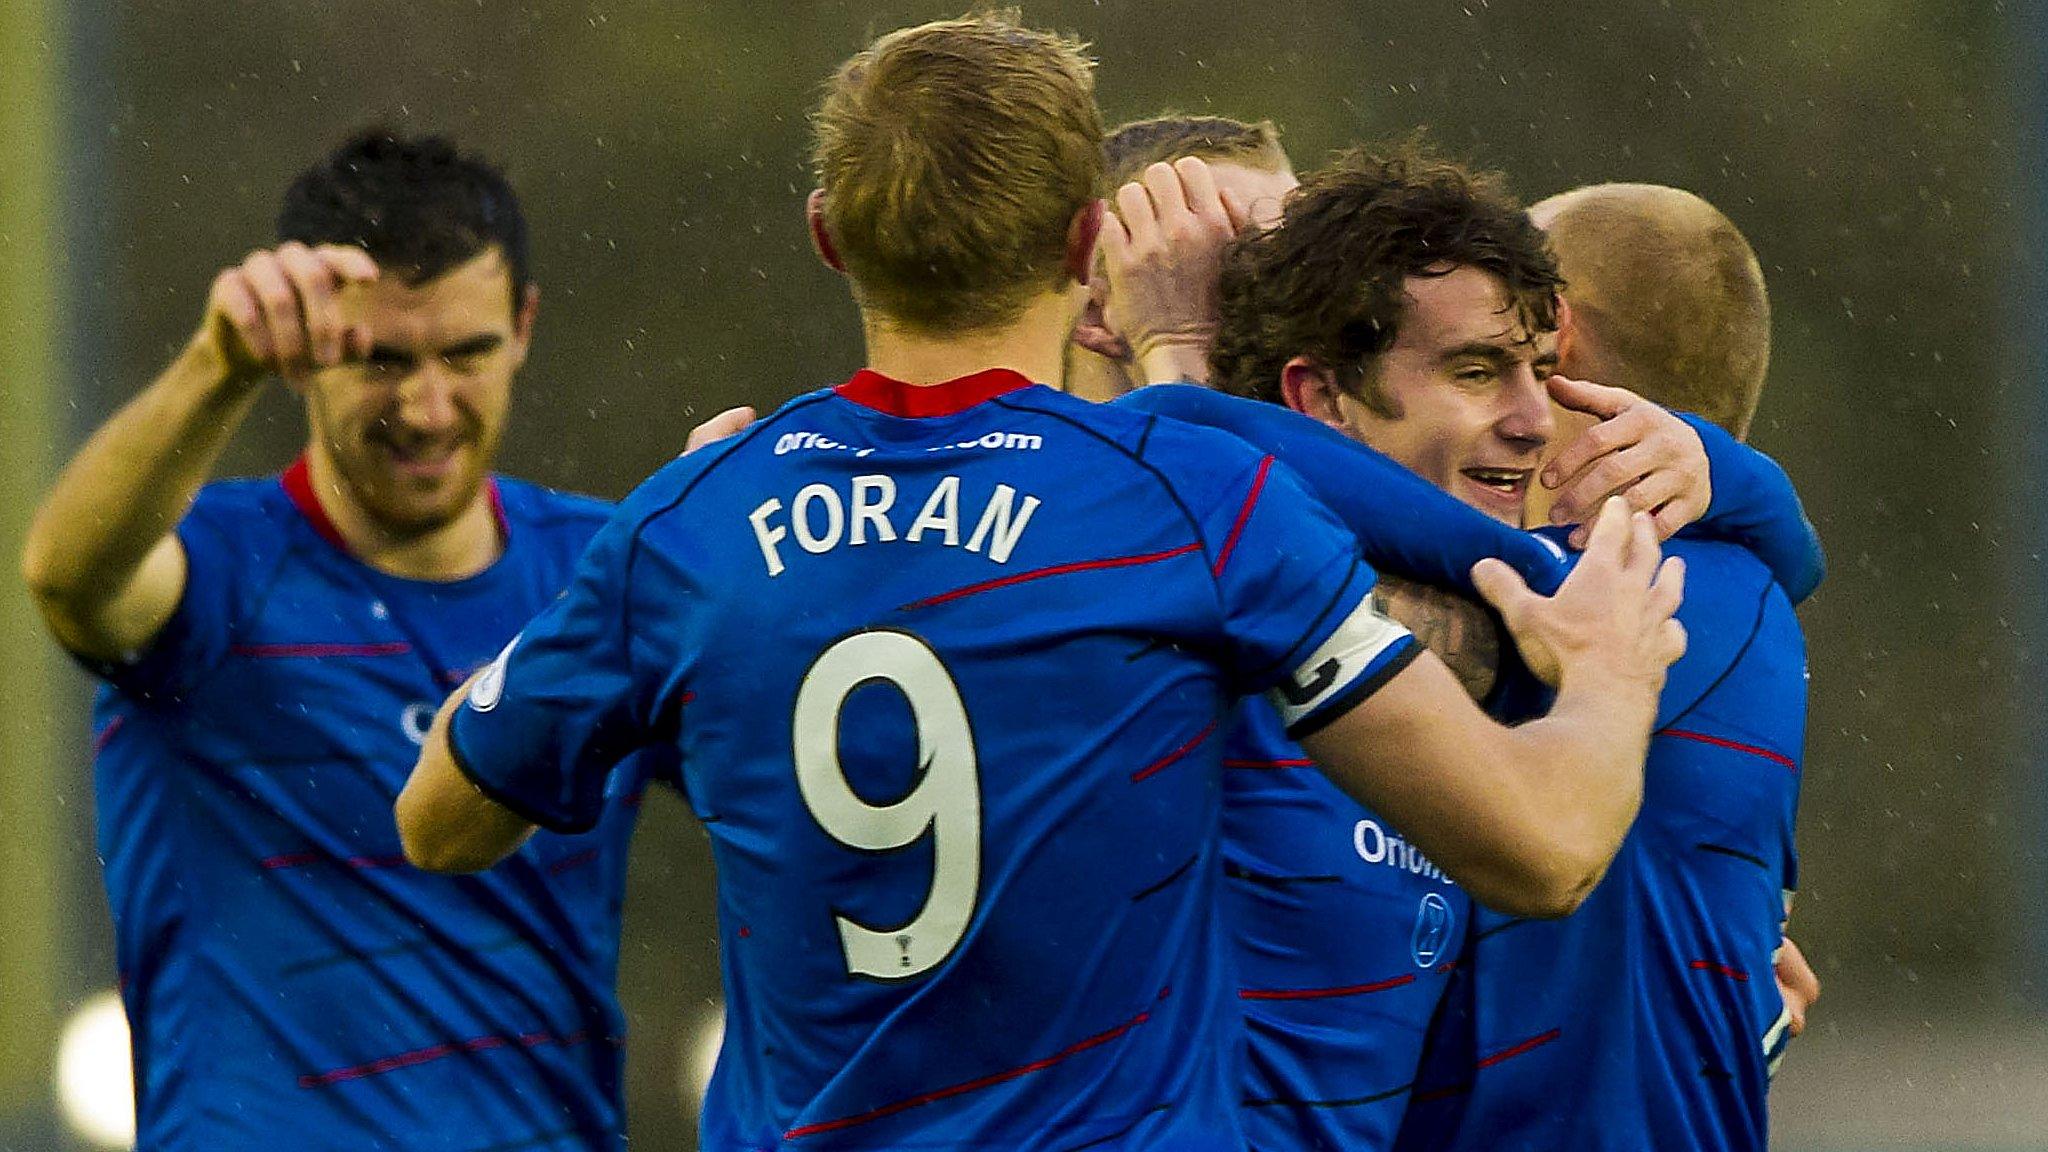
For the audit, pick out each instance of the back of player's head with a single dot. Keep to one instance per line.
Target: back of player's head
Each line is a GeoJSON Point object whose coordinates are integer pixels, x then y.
{"type": "Point", "coordinates": [1328, 282]}
{"type": "Point", "coordinates": [1667, 298]}
{"type": "Point", "coordinates": [1131, 148]}
{"type": "Point", "coordinates": [418, 205]}
{"type": "Point", "coordinates": [953, 157]}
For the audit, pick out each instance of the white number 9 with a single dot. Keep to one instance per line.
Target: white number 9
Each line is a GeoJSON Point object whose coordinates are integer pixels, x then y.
{"type": "Point", "coordinates": [946, 801]}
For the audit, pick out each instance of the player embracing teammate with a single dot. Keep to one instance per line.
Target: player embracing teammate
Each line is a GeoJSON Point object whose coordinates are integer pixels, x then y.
{"type": "Point", "coordinates": [951, 716]}
{"type": "Point", "coordinates": [956, 668]}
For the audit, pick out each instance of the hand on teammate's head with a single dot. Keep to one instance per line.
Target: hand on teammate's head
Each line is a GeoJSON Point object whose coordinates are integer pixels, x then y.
{"type": "Point", "coordinates": [1614, 613]}
{"type": "Point", "coordinates": [280, 311]}
{"type": "Point", "coordinates": [1638, 451]}
{"type": "Point", "coordinates": [1163, 253]}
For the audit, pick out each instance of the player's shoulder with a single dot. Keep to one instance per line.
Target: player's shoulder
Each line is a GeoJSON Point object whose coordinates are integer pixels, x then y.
{"type": "Point", "coordinates": [530, 505]}
{"type": "Point", "coordinates": [668, 491]}
{"type": "Point", "coordinates": [245, 512]}
{"type": "Point", "coordinates": [1159, 440]}
{"type": "Point", "coordinates": [1720, 577]}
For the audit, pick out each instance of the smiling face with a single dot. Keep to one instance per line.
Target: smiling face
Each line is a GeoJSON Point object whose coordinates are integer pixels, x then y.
{"type": "Point", "coordinates": [412, 431]}
{"type": "Point", "coordinates": [1463, 385]}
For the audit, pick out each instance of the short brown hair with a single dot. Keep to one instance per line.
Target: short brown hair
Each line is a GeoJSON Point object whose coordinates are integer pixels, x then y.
{"type": "Point", "coordinates": [1669, 296]}
{"type": "Point", "coordinates": [953, 157]}
{"type": "Point", "coordinates": [1131, 148]}
{"type": "Point", "coordinates": [1327, 283]}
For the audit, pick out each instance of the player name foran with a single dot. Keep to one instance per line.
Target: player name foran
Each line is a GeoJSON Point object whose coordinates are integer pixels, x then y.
{"type": "Point", "coordinates": [871, 509]}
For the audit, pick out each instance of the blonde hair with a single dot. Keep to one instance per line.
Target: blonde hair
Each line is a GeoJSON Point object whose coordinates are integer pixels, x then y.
{"type": "Point", "coordinates": [953, 157]}
{"type": "Point", "coordinates": [1667, 295]}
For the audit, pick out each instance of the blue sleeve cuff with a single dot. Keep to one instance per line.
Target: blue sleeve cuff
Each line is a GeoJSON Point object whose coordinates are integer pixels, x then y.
{"type": "Point", "coordinates": [1756, 506]}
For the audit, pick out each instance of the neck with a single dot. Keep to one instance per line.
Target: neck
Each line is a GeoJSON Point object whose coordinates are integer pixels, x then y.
{"type": "Point", "coordinates": [1095, 377]}
{"type": "Point", "coordinates": [1032, 344]}
{"type": "Point", "coordinates": [464, 546]}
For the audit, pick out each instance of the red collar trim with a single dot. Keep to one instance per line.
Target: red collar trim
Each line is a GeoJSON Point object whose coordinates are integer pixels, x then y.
{"type": "Point", "coordinates": [871, 389]}
{"type": "Point", "coordinates": [298, 486]}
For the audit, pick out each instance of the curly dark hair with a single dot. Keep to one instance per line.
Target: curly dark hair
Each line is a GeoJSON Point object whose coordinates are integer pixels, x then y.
{"type": "Point", "coordinates": [418, 205]}
{"type": "Point", "coordinates": [1326, 282]}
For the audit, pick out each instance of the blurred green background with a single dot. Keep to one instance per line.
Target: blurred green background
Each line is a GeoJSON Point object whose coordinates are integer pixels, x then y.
{"type": "Point", "coordinates": [1884, 157]}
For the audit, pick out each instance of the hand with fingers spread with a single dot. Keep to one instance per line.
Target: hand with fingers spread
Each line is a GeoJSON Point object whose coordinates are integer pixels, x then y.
{"type": "Point", "coordinates": [1638, 451]}
{"type": "Point", "coordinates": [1613, 617]}
{"type": "Point", "coordinates": [1163, 251]}
{"type": "Point", "coordinates": [280, 312]}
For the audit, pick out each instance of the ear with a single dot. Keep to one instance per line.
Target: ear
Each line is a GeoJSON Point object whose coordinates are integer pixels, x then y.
{"type": "Point", "coordinates": [1311, 389]}
{"type": "Point", "coordinates": [1564, 329]}
{"type": "Point", "coordinates": [814, 211]}
{"type": "Point", "coordinates": [1082, 232]}
{"type": "Point", "coordinates": [1093, 331]}
{"type": "Point", "coordinates": [522, 320]}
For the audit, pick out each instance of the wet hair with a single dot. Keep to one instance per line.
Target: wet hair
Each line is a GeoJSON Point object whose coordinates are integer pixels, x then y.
{"type": "Point", "coordinates": [1667, 298]}
{"type": "Point", "coordinates": [1131, 148]}
{"type": "Point", "coordinates": [1327, 282]}
{"type": "Point", "coordinates": [418, 205]}
{"type": "Point", "coordinates": [953, 157]}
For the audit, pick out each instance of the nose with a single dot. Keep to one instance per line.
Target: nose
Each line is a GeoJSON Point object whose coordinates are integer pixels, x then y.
{"type": "Point", "coordinates": [1527, 418]}
{"type": "Point", "coordinates": [426, 400]}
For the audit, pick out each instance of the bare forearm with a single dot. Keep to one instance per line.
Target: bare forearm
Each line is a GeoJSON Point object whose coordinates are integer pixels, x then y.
{"type": "Point", "coordinates": [127, 487]}
{"type": "Point", "coordinates": [444, 823]}
{"type": "Point", "coordinates": [1584, 766]}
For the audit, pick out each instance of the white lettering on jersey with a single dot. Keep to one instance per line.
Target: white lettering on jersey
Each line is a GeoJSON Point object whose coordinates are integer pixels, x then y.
{"type": "Point", "coordinates": [823, 517]}
{"type": "Point", "coordinates": [941, 511]}
{"type": "Point", "coordinates": [996, 518]}
{"type": "Point", "coordinates": [1337, 664]}
{"type": "Point", "coordinates": [800, 518]}
{"type": "Point", "coordinates": [1377, 845]}
{"type": "Point", "coordinates": [1006, 441]}
{"type": "Point", "coordinates": [812, 442]}
{"type": "Point", "coordinates": [768, 537]}
{"type": "Point", "coordinates": [873, 511]}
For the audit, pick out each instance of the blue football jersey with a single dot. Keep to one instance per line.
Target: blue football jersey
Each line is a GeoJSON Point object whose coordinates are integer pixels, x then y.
{"type": "Point", "coordinates": [1650, 1017]}
{"type": "Point", "coordinates": [949, 669]}
{"type": "Point", "coordinates": [289, 979]}
{"type": "Point", "coordinates": [1345, 936]}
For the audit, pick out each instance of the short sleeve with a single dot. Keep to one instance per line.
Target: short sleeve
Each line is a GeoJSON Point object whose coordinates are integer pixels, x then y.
{"type": "Point", "coordinates": [196, 638]}
{"type": "Point", "coordinates": [546, 722]}
{"type": "Point", "coordinates": [1297, 600]}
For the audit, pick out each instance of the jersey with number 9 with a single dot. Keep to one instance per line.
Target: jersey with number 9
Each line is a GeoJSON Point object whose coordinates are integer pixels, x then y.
{"type": "Point", "coordinates": [946, 666]}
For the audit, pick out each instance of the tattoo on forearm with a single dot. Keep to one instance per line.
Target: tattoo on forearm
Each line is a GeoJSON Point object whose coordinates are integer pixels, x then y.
{"type": "Point", "coordinates": [1461, 633]}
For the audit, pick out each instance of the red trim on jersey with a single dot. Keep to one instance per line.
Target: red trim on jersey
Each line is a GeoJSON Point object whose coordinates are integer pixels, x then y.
{"type": "Point", "coordinates": [1094, 1041]}
{"type": "Point", "coordinates": [1525, 1047]}
{"type": "Point", "coordinates": [1324, 993]}
{"type": "Point", "coordinates": [298, 485]}
{"type": "Point", "coordinates": [871, 389]}
{"type": "Point", "coordinates": [99, 742]}
{"type": "Point", "coordinates": [1042, 573]}
{"type": "Point", "coordinates": [1719, 969]}
{"type": "Point", "coordinates": [1777, 758]}
{"type": "Point", "coordinates": [571, 863]}
{"type": "Point", "coordinates": [423, 1055]}
{"type": "Point", "coordinates": [1244, 514]}
{"type": "Point", "coordinates": [1173, 757]}
{"type": "Point", "coordinates": [317, 651]}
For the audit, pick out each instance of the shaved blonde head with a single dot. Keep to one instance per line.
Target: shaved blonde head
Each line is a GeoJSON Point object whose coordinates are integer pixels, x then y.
{"type": "Point", "coordinates": [1667, 300]}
